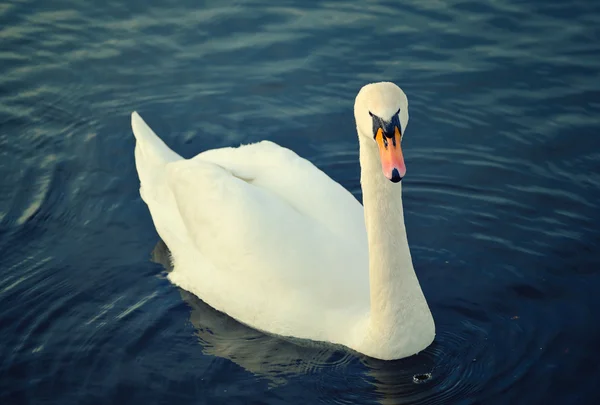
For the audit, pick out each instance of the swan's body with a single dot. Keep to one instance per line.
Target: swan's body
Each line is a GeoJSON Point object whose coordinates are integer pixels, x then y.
{"type": "Point", "coordinates": [263, 235]}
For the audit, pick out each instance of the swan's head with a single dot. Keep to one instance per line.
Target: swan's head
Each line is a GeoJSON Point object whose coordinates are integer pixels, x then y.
{"type": "Point", "coordinates": [381, 113]}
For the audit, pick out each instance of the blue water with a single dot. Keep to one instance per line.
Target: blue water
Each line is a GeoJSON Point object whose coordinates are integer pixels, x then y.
{"type": "Point", "coordinates": [502, 193]}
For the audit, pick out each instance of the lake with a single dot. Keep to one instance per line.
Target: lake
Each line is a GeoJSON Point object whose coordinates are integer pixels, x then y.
{"type": "Point", "coordinates": [501, 197]}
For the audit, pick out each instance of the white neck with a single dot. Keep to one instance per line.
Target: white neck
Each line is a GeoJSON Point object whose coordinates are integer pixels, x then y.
{"type": "Point", "coordinates": [400, 318]}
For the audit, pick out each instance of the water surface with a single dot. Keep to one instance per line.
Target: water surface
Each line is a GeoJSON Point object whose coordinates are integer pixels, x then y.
{"type": "Point", "coordinates": [501, 196]}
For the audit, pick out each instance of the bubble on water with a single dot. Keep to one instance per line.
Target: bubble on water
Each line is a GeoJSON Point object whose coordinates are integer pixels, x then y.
{"type": "Point", "coordinates": [421, 378]}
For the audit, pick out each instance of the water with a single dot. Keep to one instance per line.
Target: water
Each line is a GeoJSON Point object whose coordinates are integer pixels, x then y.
{"type": "Point", "coordinates": [501, 194]}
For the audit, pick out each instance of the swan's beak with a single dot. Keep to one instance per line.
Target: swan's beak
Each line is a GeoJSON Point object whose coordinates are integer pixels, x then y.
{"type": "Point", "coordinates": [390, 151]}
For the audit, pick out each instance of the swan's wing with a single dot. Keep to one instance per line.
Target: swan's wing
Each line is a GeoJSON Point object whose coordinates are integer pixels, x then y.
{"type": "Point", "coordinates": [247, 231]}
{"type": "Point", "coordinates": [296, 181]}
{"type": "Point", "coordinates": [256, 258]}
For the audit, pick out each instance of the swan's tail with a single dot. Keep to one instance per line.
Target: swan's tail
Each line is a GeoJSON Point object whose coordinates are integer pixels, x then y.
{"type": "Point", "coordinates": [151, 157]}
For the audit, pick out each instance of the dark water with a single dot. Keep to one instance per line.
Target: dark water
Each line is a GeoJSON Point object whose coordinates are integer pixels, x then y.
{"type": "Point", "coordinates": [502, 193]}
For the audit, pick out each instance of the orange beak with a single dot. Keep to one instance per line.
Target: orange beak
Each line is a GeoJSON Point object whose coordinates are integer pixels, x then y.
{"type": "Point", "coordinates": [392, 161]}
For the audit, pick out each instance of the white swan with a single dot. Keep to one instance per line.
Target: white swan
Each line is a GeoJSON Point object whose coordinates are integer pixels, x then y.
{"type": "Point", "coordinates": [263, 235]}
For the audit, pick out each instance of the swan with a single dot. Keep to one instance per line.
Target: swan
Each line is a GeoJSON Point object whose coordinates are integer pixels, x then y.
{"type": "Point", "coordinates": [261, 234]}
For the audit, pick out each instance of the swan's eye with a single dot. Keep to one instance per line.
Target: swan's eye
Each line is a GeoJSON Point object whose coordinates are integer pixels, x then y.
{"type": "Point", "coordinates": [378, 124]}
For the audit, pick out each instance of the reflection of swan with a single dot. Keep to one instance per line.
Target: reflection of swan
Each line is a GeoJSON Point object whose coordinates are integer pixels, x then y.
{"type": "Point", "coordinates": [265, 356]}
{"type": "Point", "coordinates": [263, 235]}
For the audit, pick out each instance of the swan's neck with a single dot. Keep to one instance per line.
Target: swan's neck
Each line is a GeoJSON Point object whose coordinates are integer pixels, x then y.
{"type": "Point", "coordinates": [398, 308]}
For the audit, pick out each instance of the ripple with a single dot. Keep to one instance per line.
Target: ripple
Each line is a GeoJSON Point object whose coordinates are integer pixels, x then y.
{"type": "Point", "coordinates": [460, 361]}
{"type": "Point", "coordinates": [500, 195]}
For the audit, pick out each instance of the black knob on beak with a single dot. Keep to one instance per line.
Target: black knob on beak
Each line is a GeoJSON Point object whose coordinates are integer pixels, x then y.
{"type": "Point", "coordinates": [395, 176]}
